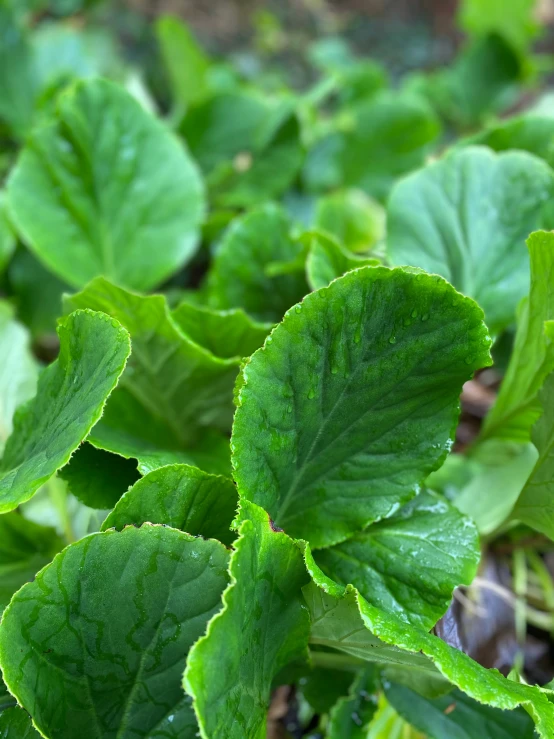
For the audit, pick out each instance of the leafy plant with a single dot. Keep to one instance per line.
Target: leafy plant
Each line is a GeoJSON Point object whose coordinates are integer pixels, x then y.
{"type": "Point", "coordinates": [254, 482]}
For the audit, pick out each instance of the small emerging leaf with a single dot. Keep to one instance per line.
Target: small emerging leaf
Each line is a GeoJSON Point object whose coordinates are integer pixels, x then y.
{"type": "Point", "coordinates": [239, 275]}
{"type": "Point", "coordinates": [225, 333]}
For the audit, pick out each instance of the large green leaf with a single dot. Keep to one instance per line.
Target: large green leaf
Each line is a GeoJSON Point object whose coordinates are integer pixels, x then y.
{"type": "Point", "coordinates": [15, 723]}
{"type": "Point", "coordinates": [177, 383]}
{"type": "Point", "coordinates": [89, 197]}
{"type": "Point", "coordinates": [225, 333]}
{"type": "Point", "coordinates": [18, 370]}
{"type": "Point", "coordinates": [185, 62]}
{"type": "Point", "coordinates": [466, 217]}
{"type": "Point", "coordinates": [410, 563]}
{"type": "Point", "coordinates": [70, 398]}
{"type": "Point", "coordinates": [180, 496]}
{"type": "Point", "coordinates": [96, 645]}
{"type": "Point", "coordinates": [517, 406]}
{"type": "Point", "coordinates": [343, 620]}
{"type": "Point", "coordinates": [456, 716]}
{"type": "Point", "coordinates": [353, 400]}
{"type": "Point", "coordinates": [240, 276]}
{"type": "Point", "coordinates": [384, 138]}
{"type": "Point", "coordinates": [25, 548]}
{"type": "Point", "coordinates": [263, 626]}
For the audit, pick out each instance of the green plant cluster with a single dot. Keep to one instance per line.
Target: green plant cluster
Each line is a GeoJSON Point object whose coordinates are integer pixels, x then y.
{"type": "Point", "coordinates": [235, 325]}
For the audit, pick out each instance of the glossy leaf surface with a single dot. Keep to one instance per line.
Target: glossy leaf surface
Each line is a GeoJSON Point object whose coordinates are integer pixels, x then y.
{"type": "Point", "coordinates": [466, 217]}
{"type": "Point", "coordinates": [70, 398]}
{"type": "Point", "coordinates": [410, 563]}
{"type": "Point", "coordinates": [353, 399]}
{"type": "Point", "coordinates": [97, 644]}
{"type": "Point", "coordinates": [263, 626]}
{"type": "Point", "coordinates": [89, 197]}
{"type": "Point", "coordinates": [180, 496]}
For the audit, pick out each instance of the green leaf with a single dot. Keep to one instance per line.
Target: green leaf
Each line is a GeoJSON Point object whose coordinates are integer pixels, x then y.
{"type": "Point", "coordinates": [517, 406]}
{"type": "Point", "coordinates": [382, 139]}
{"type": "Point", "coordinates": [345, 621]}
{"type": "Point", "coordinates": [387, 724]}
{"type": "Point", "coordinates": [355, 220]}
{"type": "Point", "coordinates": [173, 381]}
{"type": "Point", "coordinates": [25, 548]}
{"type": "Point", "coordinates": [322, 687]}
{"type": "Point", "coordinates": [99, 479]}
{"type": "Point", "coordinates": [466, 217]}
{"type": "Point", "coordinates": [129, 429]}
{"type": "Point", "coordinates": [15, 723]}
{"type": "Point", "coordinates": [249, 149]}
{"type": "Point", "coordinates": [263, 626]}
{"type": "Point", "coordinates": [18, 370]}
{"type": "Point", "coordinates": [350, 717]}
{"type": "Point", "coordinates": [456, 716]}
{"type": "Point", "coordinates": [327, 259]}
{"type": "Point", "coordinates": [96, 645]}
{"type": "Point", "coordinates": [239, 275]}
{"type": "Point", "coordinates": [410, 563]}
{"type": "Point", "coordinates": [180, 496]}
{"type": "Point", "coordinates": [502, 468]}
{"type": "Point", "coordinates": [70, 398]}
{"type": "Point", "coordinates": [515, 22]}
{"type": "Point", "coordinates": [354, 397]}
{"type": "Point", "coordinates": [528, 132]}
{"type": "Point", "coordinates": [91, 199]}
{"type": "Point", "coordinates": [185, 62]}
{"type": "Point", "coordinates": [63, 53]}
{"type": "Point", "coordinates": [534, 506]}
{"type": "Point", "coordinates": [18, 82]}
{"type": "Point", "coordinates": [225, 333]}
{"type": "Point", "coordinates": [223, 127]}
{"type": "Point", "coordinates": [481, 80]}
